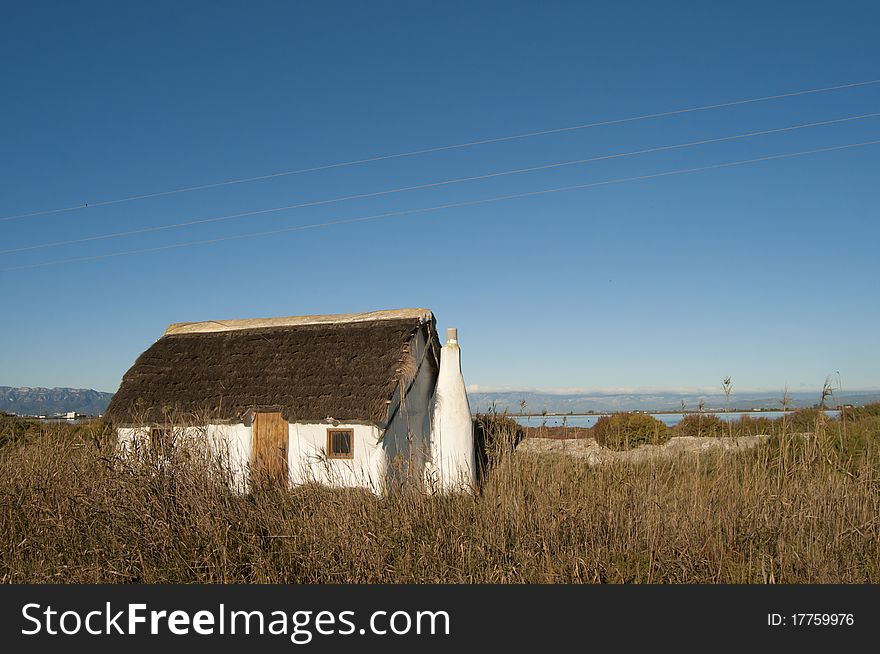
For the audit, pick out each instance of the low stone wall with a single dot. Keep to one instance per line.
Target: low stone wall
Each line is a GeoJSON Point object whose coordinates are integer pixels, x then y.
{"type": "Point", "coordinates": [595, 454]}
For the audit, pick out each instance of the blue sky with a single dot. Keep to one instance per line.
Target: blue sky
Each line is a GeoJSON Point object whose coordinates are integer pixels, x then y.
{"type": "Point", "coordinates": [766, 272]}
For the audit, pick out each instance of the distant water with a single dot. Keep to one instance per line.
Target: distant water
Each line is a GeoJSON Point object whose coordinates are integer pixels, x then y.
{"type": "Point", "coordinates": [671, 419]}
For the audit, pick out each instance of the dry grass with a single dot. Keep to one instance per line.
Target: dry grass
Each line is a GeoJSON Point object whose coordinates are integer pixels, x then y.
{"type": "Point", "coordinates": [797, 511]}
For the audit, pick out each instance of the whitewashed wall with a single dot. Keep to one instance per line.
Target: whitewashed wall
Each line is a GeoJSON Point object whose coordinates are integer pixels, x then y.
{"type": "Point", "coordinates": [231, 443]}
{"type": "Point", "coordinates": [407, 440]}
{"type": "Point", "coordinates": [306, 452]}
{"type": "Point", "coordinates": [307, 457]}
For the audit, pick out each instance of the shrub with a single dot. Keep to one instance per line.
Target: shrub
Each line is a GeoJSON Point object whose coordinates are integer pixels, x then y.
{"type": "Point", "coordinates": [802, 420]}
{"type": "Point", "coordinates": [14, 429]}
{"type": "Point", "coordinates": [852, 414]}
{"type": "Point", "coordinates": [624, 430]}
{"type": "Point", "coordinates": [495, 434]}
{"type": "Point", "coordinates": [751, 426]}
{"type": "Point", "coordinates": [700, 424]}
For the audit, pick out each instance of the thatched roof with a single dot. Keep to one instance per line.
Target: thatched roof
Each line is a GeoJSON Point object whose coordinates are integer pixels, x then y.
{"type": "Point", "coordinates": [309, 367]}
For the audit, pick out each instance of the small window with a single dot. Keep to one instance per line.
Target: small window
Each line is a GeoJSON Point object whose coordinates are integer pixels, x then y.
{"type": "Point", "coordinates": [160, 440]}
{"type": "Point", "coordinates": [340, 443]}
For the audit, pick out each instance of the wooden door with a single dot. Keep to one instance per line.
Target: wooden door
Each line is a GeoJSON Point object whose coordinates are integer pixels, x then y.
{"type": "Point", "coordinates": [269, 453]}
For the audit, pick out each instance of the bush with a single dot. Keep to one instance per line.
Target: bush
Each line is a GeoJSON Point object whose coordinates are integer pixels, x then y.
{"type": "Point", "coordinates": [802, 420]}
{"type": "Point", "coordinates": [752, 426]}
{"type": "Point", "coordinates": [620, 431]}
{"type": "Point", "coordinates": [14, 429]}
{"type": "Point", "coordinates": [853, 414]}
{"type": "Point", "coordinates": [495, 434]}
{"type": "Point", "coordinates": [700, 424]}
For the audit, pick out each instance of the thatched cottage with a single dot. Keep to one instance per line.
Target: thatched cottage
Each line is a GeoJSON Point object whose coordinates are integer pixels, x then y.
{"type": "Point", "coordinates": [345, 400]}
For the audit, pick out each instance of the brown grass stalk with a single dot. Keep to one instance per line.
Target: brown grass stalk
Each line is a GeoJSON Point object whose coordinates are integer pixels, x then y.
{"type": "Point", "coordinates": [799, 510]}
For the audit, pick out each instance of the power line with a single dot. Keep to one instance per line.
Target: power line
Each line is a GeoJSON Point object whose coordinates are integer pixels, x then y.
{"type": "Point", "coordinates": [347, 221]}
{"type": "Point", "coordinates": [442, 148]}
{"type": "Point", "coordinates": [203, 221]}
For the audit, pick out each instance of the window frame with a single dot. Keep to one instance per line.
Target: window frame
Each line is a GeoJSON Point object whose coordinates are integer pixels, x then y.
{"type": "Point", "coordinates": [330, 452]}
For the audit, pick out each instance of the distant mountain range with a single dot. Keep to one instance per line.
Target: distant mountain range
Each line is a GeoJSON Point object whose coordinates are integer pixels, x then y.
{"type": "Point", "coordinates": [48, 401]}
{"type": "Point", "coordinates": [27, 401]}
{"type": "Point", "coordinates": [596, 402]}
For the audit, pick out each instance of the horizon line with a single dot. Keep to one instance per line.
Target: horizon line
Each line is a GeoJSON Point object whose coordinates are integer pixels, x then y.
{"type": "Point", "coordinates": [596, 390]}
{"type": "Point", "coordinates": [644, 390]}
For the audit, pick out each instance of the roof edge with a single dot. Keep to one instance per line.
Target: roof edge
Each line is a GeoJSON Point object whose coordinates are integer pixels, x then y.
{"type": "Point", "coordinates": [208, 326]}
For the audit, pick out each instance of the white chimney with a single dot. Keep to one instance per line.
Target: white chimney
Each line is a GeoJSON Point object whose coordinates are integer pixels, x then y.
{"type": "Point", "coordinates": [452, 430]}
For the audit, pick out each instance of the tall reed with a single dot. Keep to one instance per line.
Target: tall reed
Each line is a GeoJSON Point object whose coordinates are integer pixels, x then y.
{"type": "Point", "coordinates": [803, 509]}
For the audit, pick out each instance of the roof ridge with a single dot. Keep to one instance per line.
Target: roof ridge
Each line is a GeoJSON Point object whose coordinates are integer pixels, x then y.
{"type": "Point", "coordinates": [209, 326]}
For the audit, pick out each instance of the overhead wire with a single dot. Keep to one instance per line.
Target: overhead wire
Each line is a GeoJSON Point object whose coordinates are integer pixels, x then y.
{"type": "Point", "coordinates": [451, 205]}
{"type": "Point", "coordinates": [448, 182]}
{"type": "Point", "coordinates": [454, 146]}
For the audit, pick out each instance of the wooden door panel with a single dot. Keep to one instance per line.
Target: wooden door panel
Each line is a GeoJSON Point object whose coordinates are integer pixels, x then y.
{"type": "Point", "coordinates": [269, 454]}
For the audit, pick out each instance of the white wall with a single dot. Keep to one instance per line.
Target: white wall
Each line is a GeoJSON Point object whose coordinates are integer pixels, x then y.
{"type": "Point", "coordinates": [306, 452]}
{"type": "Point", "coordinates": [231, 443]}
{"type": "Point", "coordinates": [407, 439]}
{"type": "Point", "coordinates": [307, 457]}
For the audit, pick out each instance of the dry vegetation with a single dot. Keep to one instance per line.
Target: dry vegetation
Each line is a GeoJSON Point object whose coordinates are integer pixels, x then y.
{"type": "Point", "coordinates": [798, 510]}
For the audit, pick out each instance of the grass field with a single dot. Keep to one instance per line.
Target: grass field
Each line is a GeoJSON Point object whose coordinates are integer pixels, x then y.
{"type": "Point", "coordinates": [800, 510]}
